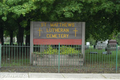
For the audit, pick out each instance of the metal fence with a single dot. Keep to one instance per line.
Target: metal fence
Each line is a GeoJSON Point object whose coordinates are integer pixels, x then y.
{"type": "Point", "coordinates": [15, 55]}
{"type": "Point", "coordinates": [59, 58]}
{"type": "Point", "coordinates": [103, 60]}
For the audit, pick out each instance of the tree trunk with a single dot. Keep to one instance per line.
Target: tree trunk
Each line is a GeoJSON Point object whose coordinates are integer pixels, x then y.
{"type": "Point", "coordinates": [11, 37]}
{"type": "Point", "coordinates": [27, 39]}
{"type": "Point", "coordinates": [20, 35]}
{"type": "Point", "coordinates": [1, 35]}
{"type": "Point", "coordinates": [28, 34]}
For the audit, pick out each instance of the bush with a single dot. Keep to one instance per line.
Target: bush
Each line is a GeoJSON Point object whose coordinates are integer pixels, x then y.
{"type": "Point", "coordinates": [50, 50]}
{"type": "Point", "coordinates": [63, 50]}
{"type": "Point", "coordinates": [68, 50]}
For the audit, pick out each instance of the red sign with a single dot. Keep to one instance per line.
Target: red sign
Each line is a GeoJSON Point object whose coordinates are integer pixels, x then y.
{"type": "Point", "coordinates": [57, 41]}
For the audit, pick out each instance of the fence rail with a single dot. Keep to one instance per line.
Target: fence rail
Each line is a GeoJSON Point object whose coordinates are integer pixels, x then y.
{"type": "Point", "coordinates": [59, 58]}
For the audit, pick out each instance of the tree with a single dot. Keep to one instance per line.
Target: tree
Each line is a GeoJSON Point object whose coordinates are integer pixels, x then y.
{"type": "Point", "coordinates": [15, 10]}
{"type": "Point", "coordinates": [100, 15]}
{"type": "Point", "coordinates": [91, 40]}
{"type": "Point", "coordinates": [1, 31]}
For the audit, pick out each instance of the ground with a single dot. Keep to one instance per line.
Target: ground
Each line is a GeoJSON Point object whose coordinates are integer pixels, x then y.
{"type": "Point", "coordinates": [80, 69]}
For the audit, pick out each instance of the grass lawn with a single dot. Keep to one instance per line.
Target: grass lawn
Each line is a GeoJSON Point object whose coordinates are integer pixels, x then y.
{"type": "Point", "coordinates": [101, 59]}
{"type": "Point", "coordinates": [16, 62]}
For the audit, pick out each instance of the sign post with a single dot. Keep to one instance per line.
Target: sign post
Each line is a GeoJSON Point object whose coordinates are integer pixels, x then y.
{"type": "Point", "coordinates": [83, 41]}
{"type": "Point", "coordinates": [0, 54]}
{"type": "Point", "coordinates": [53, 33]}
{"type": "Point", "coordinates": [31, 41]}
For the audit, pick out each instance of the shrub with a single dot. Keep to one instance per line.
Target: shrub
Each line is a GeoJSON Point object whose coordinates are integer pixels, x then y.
{"type": "Point", "coordinates": [63, 50]}
{"type": "Point", "coordinates": [50, 50]}
{"type": "Point", "coordinates": [68, 50]}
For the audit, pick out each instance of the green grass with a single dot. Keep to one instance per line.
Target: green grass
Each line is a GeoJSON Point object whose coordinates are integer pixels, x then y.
{"type": "Point", "coordinates": [20, 62]}
{"type": "Point", "coordinates": [101, 59]}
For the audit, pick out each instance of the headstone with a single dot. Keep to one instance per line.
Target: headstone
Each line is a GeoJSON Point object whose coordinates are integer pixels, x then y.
{"type": "Point", "coordinates": [104, 52]}
{"type": "Point", "coordinates": [87, 45]}
{"type": "Point", "coordinates": [93, 53]}
{"type": "Point", "coordinates": [111, 46]}
{"type": "Point", "coordinates": [101, 45]}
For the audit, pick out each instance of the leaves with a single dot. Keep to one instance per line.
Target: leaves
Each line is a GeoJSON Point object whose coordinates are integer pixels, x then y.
{"type": "Point", "coordinates": [101, 16]}
{"type": "Point", "coordinates": [23, 23]}
{"type": "Point", "coordinates": [63, 50]}
{"type": "Point", "coordinates": [4, 18]}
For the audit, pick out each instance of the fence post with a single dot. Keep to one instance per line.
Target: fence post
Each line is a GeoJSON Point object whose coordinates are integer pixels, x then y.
{"type": "Point", "coordinates": [116, 56]}
{"type": "Point", "coordinates": [59, 59]}
{"type": "Point", "coordinates": [0, 54]}
{"type": "Point", "coordinates": [31, 43]}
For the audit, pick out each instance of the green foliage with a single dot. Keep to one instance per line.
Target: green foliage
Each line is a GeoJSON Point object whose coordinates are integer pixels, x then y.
{"type": "Point", "coordinates": [4, 18]}
{"type": "Point", "coordinates": [63, 51]}
{"type": "Point", "coordinates": [50, 50]}
{"type": "Point", "coordinates": [23, 23]}
{"type": "Point", "coordinates": [101, 16]}
{"type": "Point", "coordinates": [68, 50]}
{"type": "Point", "coordinates": [91, 40]}
{"type": "Point", "coordinates": [118, 38]}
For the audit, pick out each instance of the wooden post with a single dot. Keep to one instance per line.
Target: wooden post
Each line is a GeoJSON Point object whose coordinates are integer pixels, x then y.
{"type": "Point", "coordinates": [31, 41]}
{"type": "Point", "coordinates": [83, 40]}
{"type": "Point", "coordinates": [0, 53]}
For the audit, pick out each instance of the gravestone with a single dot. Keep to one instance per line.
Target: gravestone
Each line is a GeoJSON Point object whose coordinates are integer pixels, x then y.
{"type": "Point", "coordinates": [101, 45]}
{"type": "Point", "coordinates": [111, 46]}
{"type": "Point", "coordinates": [93, 53]}
{"type": "Point", "coordinates": [87, 45]}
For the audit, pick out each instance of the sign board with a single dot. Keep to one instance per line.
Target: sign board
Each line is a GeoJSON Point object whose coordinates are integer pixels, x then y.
{"type": "Point", "coordinates": [53, 33]}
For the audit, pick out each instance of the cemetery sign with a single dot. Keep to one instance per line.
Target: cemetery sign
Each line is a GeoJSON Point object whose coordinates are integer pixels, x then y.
{"type": "Point", "coordinates": [53, 33]}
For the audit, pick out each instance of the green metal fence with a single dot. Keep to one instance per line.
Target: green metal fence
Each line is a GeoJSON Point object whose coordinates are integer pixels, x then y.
{"type": "Point", "coordinates": [59, 58]}
{"type": "Point", "coordinates": [103, 60]}
{"type": "Point", "coordinates": [15, 55]}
